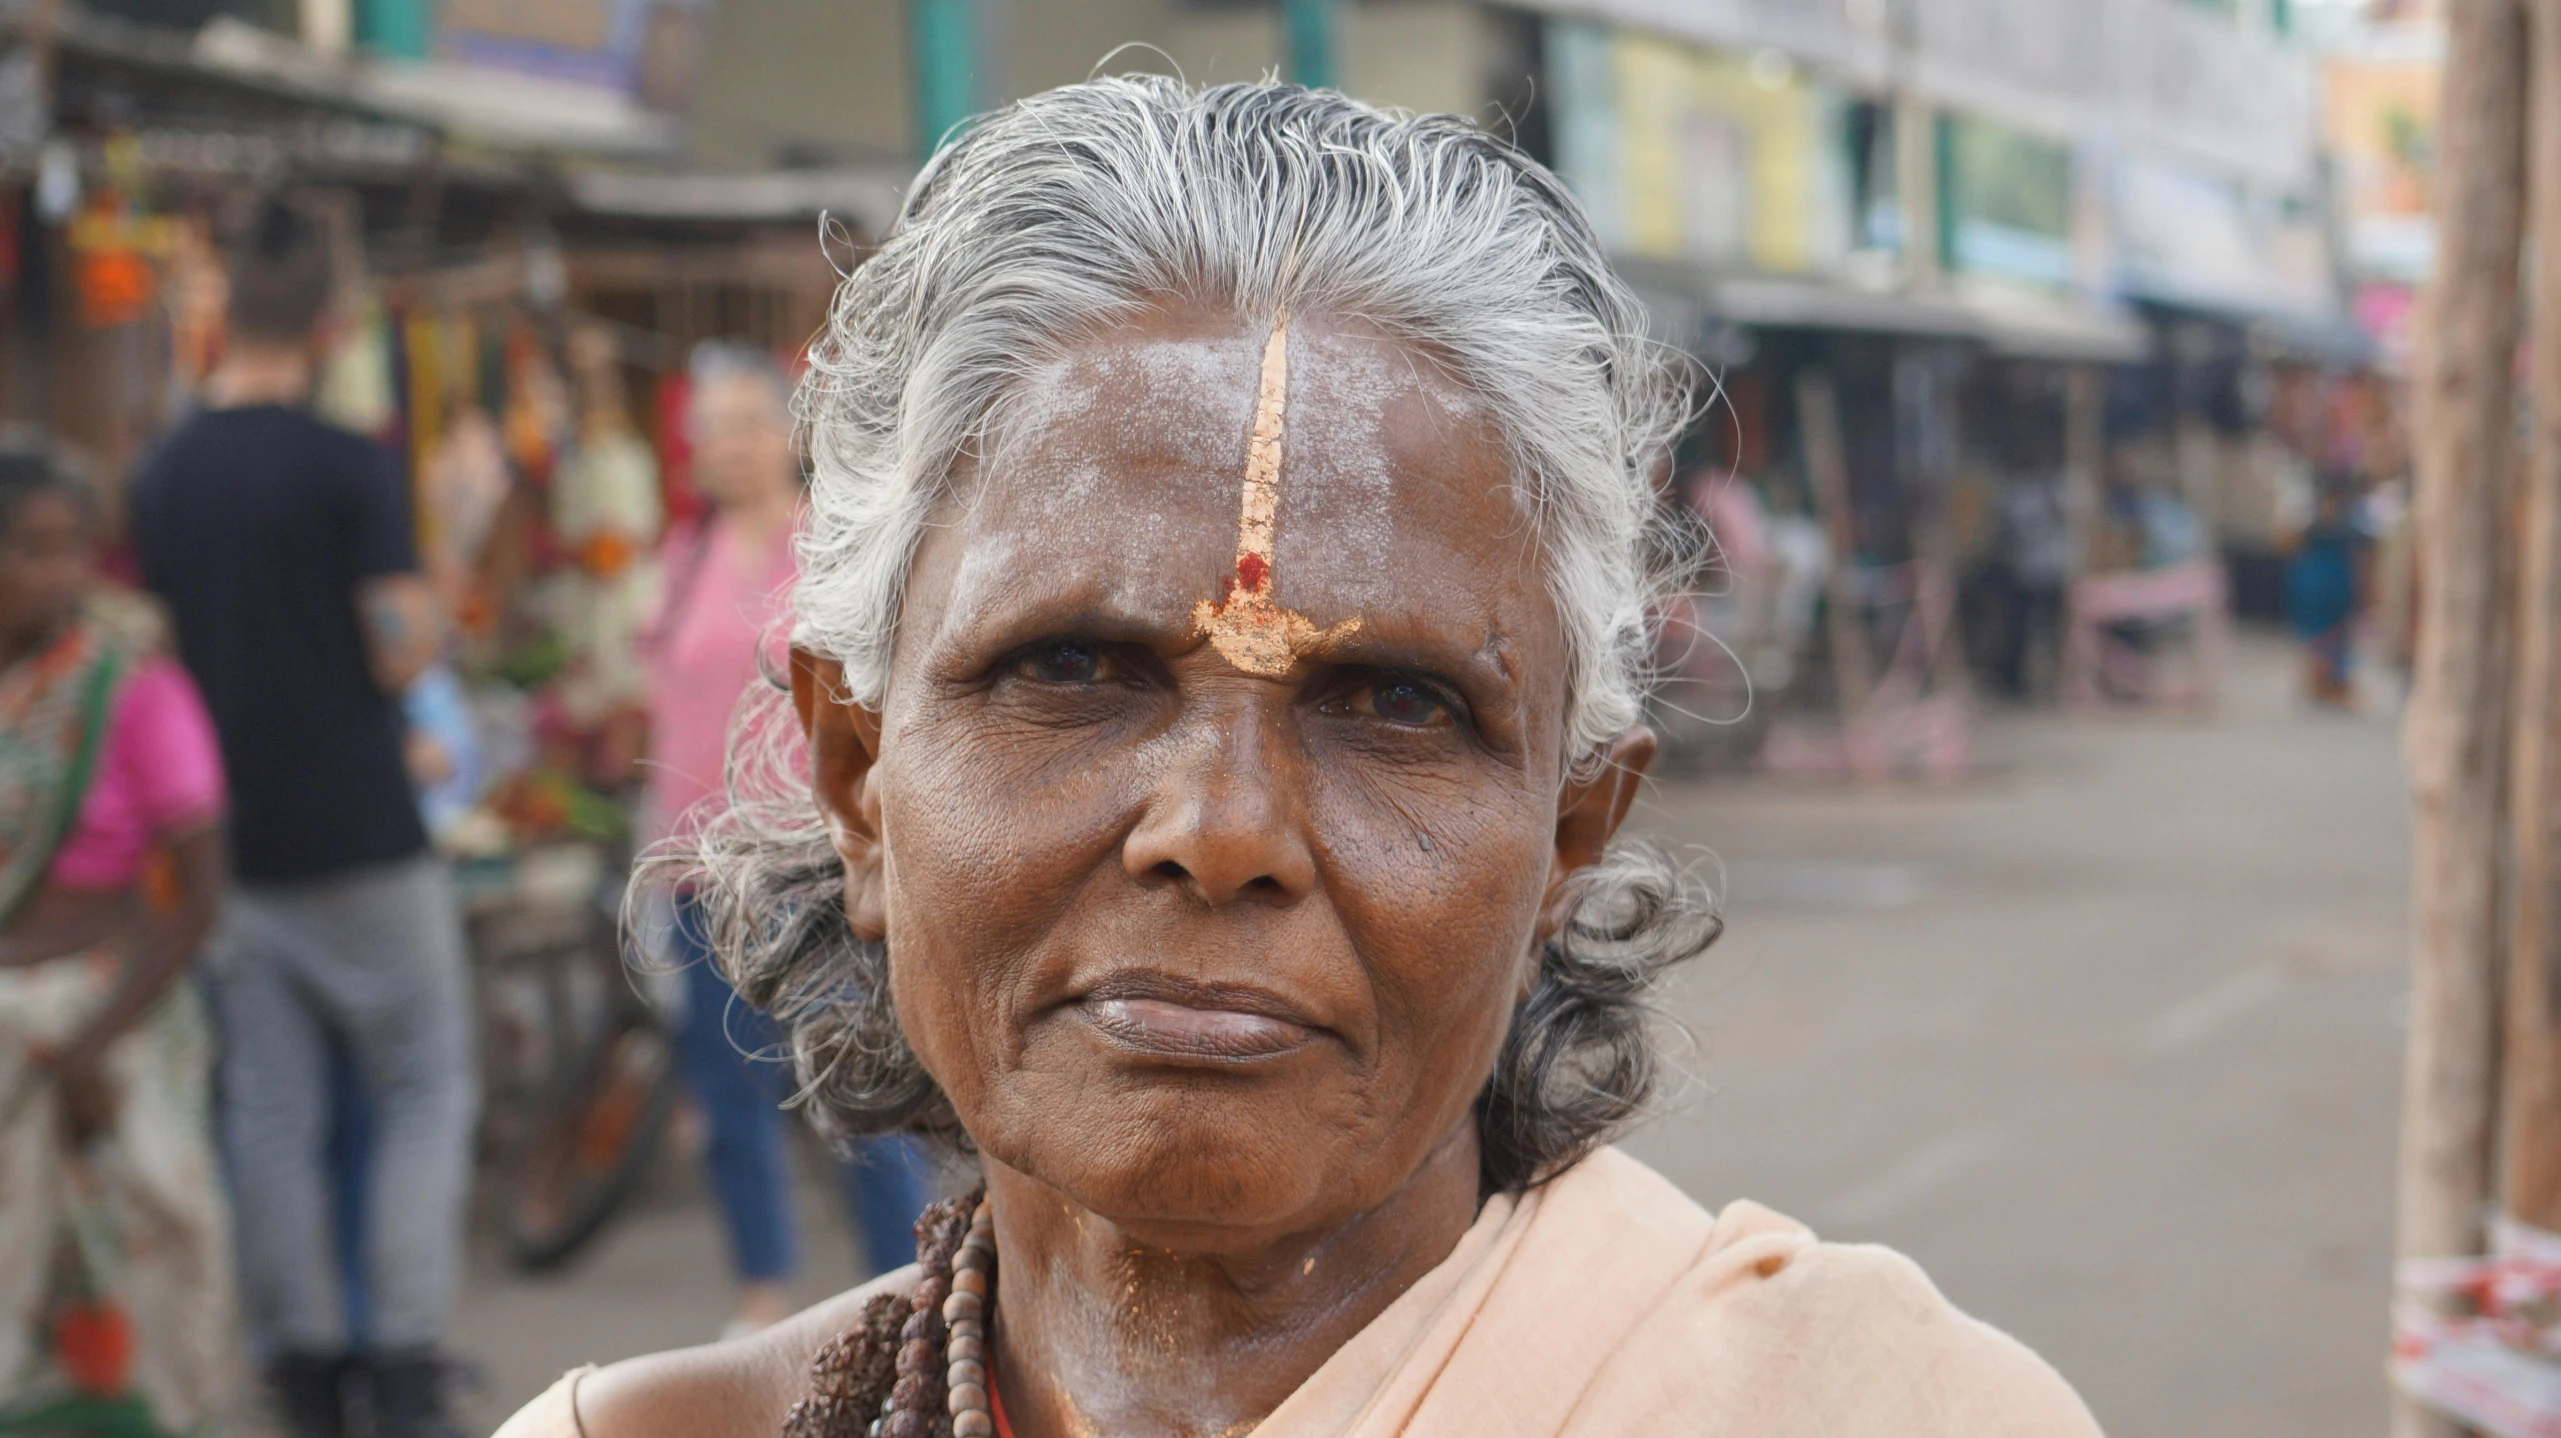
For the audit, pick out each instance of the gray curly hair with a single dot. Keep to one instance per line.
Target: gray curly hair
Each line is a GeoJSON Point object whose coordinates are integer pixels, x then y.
{"type": "Point", "coordinates": [1074, 209]}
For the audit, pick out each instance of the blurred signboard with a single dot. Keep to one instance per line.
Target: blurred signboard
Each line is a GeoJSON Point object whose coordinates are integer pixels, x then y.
{"type": "Point", "coordinates": [2379, 115]}
{"type": "Point", "coordinates": [1845, 38]}
{"type": "Point", "coordinates": [2187, 237]}
{"type": "Point", "coordinates": [1686, 154]}
{"type": "Point", "coordinates": [650, 50]}
{"type": "Point", "coordinates": [2150, 73]}
{"type": "Point", "coordinates": [2009, 193]}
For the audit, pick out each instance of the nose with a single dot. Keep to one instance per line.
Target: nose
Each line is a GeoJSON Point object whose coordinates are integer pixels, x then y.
{"type": "Point", "coordinates": [1226, 819]}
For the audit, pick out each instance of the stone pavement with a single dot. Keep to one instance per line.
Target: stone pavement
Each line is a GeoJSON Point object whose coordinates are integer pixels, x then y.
{"type": "Point", "coordinates": [2107, 1037]}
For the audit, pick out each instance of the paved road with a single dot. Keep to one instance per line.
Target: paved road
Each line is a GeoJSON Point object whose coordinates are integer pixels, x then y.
{"type": "Point", "coordinates": [2107, 1037]}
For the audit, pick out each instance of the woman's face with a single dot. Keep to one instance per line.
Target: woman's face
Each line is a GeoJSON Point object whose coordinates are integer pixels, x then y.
{"type": "Point", "coordinates": [1193, 946]}
{"type": "Point", "coordinates": [44, 565]}
{"type": "Point", "coordinates": [742, 442]}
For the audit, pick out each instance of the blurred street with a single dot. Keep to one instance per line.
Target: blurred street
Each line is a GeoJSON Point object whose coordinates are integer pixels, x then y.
{"type": "Point", "coordinates": [2106, 1037]}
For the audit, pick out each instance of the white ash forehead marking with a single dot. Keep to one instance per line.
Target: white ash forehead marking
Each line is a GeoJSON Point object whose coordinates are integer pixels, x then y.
{"type": "Point", "coordinates": [987, 566]}
{"type": "Point", "coordinates": [1112, 389]}
{"type": "Point", "coordinates": [1339, 463]}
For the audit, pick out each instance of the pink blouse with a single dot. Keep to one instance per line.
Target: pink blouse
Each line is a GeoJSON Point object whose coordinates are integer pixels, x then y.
{"type": "Point", "coordinates": [702, 659]}
{"type": "Point", "coordinates": [159, 775]}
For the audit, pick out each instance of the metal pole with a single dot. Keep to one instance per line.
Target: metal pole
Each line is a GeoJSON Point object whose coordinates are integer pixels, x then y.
{"type": "Point", "coordinates": [1309, 31]}
{"type": "Point", "coordinates": [945, 33]}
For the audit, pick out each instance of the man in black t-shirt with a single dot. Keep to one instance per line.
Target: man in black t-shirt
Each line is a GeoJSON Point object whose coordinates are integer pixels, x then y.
{"type": "Point", "coordinates": [285, 553]}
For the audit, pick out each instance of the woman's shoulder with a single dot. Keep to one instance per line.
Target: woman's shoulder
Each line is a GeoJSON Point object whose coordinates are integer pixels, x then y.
{"type": "Point", "coordinates": [1869, 1337]}
{"type": "Point", "coordinates": [1783, 1333]}
{"type": "Point", "coordinates": [741, 1388]}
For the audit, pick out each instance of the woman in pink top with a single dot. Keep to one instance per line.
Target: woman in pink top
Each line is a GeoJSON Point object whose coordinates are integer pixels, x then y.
{"type": "Point", "coordinates": [111, 863]}
{"type": "Point", "coordinates": [728, 585]}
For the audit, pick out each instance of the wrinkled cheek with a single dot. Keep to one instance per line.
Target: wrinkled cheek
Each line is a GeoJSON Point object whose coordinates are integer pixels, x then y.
{"type": "Point", "coordinates": [977, 873]}
{"type": "Point", "coordinates": [1446, 932]}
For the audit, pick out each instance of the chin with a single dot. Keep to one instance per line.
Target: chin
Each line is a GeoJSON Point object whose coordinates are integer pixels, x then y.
{"type": "Point", "coordinates": [1185, 1155]}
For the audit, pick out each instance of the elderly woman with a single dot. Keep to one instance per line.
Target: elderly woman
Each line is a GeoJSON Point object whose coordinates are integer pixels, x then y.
{"type": "Point", "coordinates": [1224, 594]}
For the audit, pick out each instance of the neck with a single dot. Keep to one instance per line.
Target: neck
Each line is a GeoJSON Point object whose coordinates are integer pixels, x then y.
{"type": "Point", "coordinates": [1101, 1330]}
{"type": "Point", "coordinates": [260, 372]}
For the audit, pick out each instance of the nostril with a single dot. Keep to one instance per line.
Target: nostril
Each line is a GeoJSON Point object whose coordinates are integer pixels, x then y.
{"type": "Point", "coordinates": [1171, 872]}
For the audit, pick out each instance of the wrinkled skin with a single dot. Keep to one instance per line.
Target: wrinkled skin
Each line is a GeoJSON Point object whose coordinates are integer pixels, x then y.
{"type": "Point", "coordinates": [1212, 966]}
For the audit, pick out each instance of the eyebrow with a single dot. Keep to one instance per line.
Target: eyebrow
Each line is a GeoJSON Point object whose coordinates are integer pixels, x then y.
{"type": "Point", "coordinates": [1379, 647]}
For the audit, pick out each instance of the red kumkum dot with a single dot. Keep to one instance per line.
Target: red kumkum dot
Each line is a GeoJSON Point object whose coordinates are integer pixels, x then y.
{"type": "Point", "coordinates": [1250, 570]}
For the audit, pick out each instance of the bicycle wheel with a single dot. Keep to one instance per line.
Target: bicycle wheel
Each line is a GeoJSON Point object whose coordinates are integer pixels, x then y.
{"type": "Point", "coordinates": [594, 1149]}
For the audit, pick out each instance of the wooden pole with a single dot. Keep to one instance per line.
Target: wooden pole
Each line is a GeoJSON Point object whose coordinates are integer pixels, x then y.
{"type": "Point", "coordinates": [2530, 1091]}
{"type": "Point", "coordinates": [2459, 709]}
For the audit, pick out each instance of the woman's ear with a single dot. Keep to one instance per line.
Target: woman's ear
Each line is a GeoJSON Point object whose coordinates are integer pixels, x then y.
{"type": "Point", "coordinates": [1588, 814]}
{"type": "Point", "coordinates": [844, 740]}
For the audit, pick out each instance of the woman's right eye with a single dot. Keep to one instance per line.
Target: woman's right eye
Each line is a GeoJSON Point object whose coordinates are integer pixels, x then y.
{"type": "Point", "coordinates": [1064, 661]}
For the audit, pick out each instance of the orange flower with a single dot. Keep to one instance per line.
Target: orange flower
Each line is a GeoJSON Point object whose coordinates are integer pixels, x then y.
{"type": "Point", "coordinates": [606, 555]}
{"type": "Point", "coordinates": [93, 1342]}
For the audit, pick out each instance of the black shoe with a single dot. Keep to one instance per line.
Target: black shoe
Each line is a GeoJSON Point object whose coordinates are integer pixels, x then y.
{"type": "Point", "coordinates": [311, 1393]}
{"type": "Point", "coordinates": [408, 1393]}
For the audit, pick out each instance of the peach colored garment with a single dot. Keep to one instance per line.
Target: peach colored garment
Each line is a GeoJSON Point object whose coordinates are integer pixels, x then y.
{"type": "Point", "coordinates": [1608, 1303]}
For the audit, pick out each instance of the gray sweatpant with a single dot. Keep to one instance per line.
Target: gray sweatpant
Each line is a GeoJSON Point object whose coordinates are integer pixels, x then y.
{"type": "Point", "coordinates": [373, 962]}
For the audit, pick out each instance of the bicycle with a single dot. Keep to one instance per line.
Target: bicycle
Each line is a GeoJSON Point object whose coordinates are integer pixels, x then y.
{"type": "Point", "coordinates": [579, 1070]}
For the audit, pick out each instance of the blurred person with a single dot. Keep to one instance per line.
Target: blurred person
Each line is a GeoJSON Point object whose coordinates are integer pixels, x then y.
{"type": "Point", "coordinates": [2326, 588]}
{"type": "Point", "coordinates": [2032, 571]}
{"type": "Point", "coordinates": [113, 1229]}
{"type": "Point", "coordinates": [729, 578]}
{"type": "Point", "coordinates": [286, 553]}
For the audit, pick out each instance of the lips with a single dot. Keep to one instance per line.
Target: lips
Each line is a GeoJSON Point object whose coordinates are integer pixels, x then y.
{"type": "Point", "coordinates": [1166, 1017]}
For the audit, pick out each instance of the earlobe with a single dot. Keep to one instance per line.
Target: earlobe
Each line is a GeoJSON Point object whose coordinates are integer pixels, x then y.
{"type": "Point", "coordinates": [844, 742]}
{"type": "Point", "coordinates": [1588, 814]}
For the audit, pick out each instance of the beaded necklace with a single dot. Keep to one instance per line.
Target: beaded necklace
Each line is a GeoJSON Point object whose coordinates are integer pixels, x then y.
{"type": "Point", "coordinates": [915, 1366]}
{"type": "Point", "coordinates": [973, 1287]}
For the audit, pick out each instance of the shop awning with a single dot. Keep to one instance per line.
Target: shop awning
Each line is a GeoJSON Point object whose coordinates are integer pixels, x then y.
{"type": "Point", "coordinates": [1808, 304]}
{"type": "Point", "coordinates": [1686, 303]}
{"type": "Point", "coordinates": [503, 110]}
{"type": "Point", "coordinates": [2024, 325]}
{"type": "Point", "coordinates": [869, 198]}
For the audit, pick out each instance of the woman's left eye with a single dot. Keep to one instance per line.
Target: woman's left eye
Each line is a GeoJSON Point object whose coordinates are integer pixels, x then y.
{"type": "Point", "coordinates": [1064, 661]}
{"type": "Point", "coordinates": [1403, 702]}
